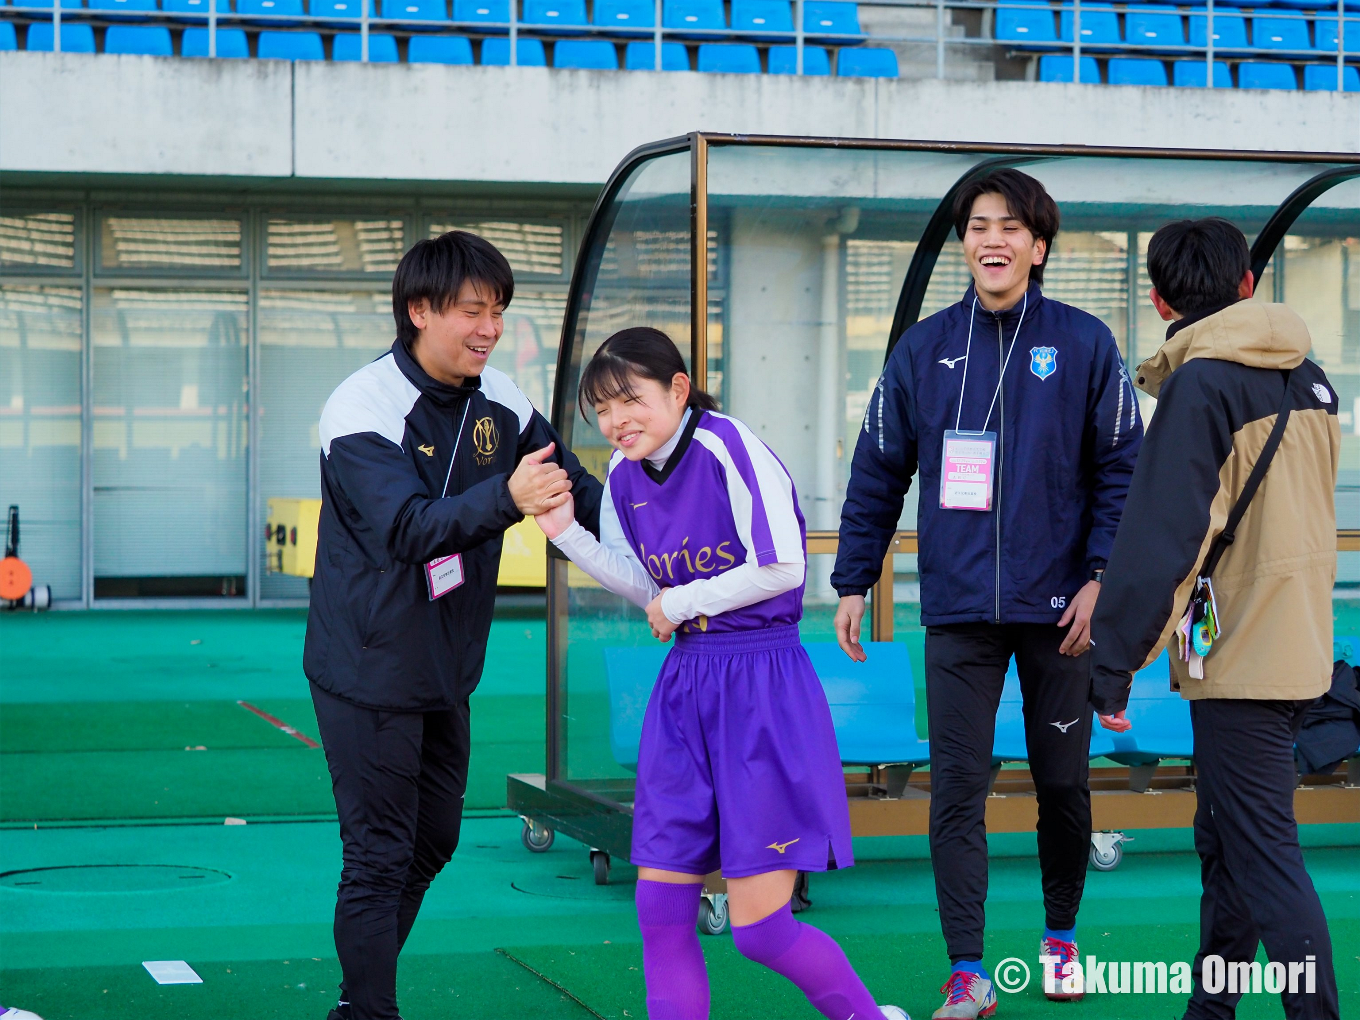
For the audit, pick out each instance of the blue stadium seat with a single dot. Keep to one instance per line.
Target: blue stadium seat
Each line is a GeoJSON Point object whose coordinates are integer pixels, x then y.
{"type": "Point", "coordinates": [382, 49]}
{"type": "Point", "coordinates": [1029, 24]}
{"type": "Point", "coordinates": [74, 38]}
{"type": "Point", "coordinates": [493, 12]}
{"type": "Point", "coordinates": [1190, 74]}
{"type": "Point", "coordinates": [587, 54]}
{"type": "Point", "coordinates": [414, 10]}
{"type": "Point", "coordinates": [1324, 32]}
{"type": "Point", "coordinates": [1058, 67]}
{"type": "Point", "coordinates": [528, 53]}
{"type": "Point", "coordinates": [349, 9]}
{"type": "Point", "coordinates": [1135, 71]}
{"type": "Point", "coordinates": [556, 14]}
{"type": "Point", "coordinates": [866, 62]}
{"type": "Point", "coordinates": [784, 60]}
{"type": "Point", "coordinates": [625, 17]}
{"type": "Point", "coordinates": [1099, 24]}
{"type": "Point", "coordinates": [439, 49]}
{"type": "Point", "coordinates": [1308, 5]}
{"type": "Point", "coordinates": [641, 56]}
{"type": "Point", "coordinates": [290, 46]}
{"type": "Point", "coordinates": [8, 40]}
{"type": "Point", "coordinates": [873, 704]}
{"type": "Point", "coordinates": [146, 40]}
{"type": "Point", "coordinates": [1153, 25]}
{"type": "Point", "coordinates": [1289, 34]}
{"type": "Point", "coordinates": [1230, 30]}
{"type": "Point", "coordinates": [231, 43]}
{"type": "Point", "coordinates": [826, 18]}
{"type": "Point", "coordinates": [121, 5]}
{"type": "Point", "coordinates": [270, 7]}
{"type": "Point", "coordinates": [693, 14]}
{"type": "Point", "coordinates": [1266, 76]}
{"type": "Point", "coordinates": [1008, 740]}
{"type": "Point", "coordinates": [758, 18]}
{"type": "Point", "coordinates": [1322, 78]}
{"type": "Point", "coordinates": [729, 58]}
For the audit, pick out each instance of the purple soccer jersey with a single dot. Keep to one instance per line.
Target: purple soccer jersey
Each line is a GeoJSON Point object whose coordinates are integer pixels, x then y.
{"type": "Point", "coordinates": [723, 499]}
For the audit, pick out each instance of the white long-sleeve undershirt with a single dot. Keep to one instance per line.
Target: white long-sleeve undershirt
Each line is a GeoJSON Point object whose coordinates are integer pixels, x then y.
{"type": "Point", "coordinates": [612, 562]}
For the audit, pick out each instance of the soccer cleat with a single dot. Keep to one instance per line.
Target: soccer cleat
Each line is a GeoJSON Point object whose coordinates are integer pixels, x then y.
{"type": "Point", "coordinates": [17, 1014]}
{"type": "Point", "coordinates": [1066, 952]}
{"type": "Point", "coordinates": [967, 996]}
{"type": "Point", "coordinates": [893, 1013]}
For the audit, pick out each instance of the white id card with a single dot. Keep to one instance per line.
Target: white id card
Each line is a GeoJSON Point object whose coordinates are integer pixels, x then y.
{"type": "Point", "coordinates": [966, 471]}
{"type": "Point", "coordinates": [444, 574]}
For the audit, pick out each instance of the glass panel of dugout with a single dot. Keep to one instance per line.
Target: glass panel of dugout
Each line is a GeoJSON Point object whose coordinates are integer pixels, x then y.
{"type": "Point", "coordinates": [807, 249]}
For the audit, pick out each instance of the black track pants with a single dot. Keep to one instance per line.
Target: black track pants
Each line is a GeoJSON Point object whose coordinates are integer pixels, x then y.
{"type": "Point", "coordinates": [1256, 888]}
{"type": "Point", "coordinates": [399, 780]}
{"type": "Point", "coordinates": [965, 671]}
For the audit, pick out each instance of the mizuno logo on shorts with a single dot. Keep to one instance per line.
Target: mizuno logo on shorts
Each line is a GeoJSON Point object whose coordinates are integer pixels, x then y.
{"type": "Point", "coordinates": [781, 847]}
{"type": "Point", "coordinates": [1063, 727]}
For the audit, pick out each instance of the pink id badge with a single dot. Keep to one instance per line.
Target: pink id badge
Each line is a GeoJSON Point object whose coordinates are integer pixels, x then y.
{"type": "Point", "coordinates": [966, 472]}
{"type": "Point", "coordinates": [443, 575]}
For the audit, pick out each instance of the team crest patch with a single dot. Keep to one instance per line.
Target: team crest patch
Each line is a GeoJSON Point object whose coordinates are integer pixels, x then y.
{"type": "Point", "coordinates": [1321, 393]}
{"type": "Point", "coordinates": [1043, 361]}
{"type": "Point", "coordinates": [485, 438]}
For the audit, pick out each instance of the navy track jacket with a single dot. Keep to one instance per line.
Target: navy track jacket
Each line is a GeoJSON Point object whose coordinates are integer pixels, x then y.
{"type": "Point", "coordinates": [1068, 432]}
{"type": "Point", "coordinates": [395, 495]}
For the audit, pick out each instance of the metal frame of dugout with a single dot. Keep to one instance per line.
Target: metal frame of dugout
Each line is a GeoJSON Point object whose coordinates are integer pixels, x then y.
{"type": "Point", "coordinates": [597, 812]}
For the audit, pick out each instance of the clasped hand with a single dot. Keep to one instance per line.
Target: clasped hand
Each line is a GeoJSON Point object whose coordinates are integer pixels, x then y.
{"type": "Point", "coordinates": [538, 484]}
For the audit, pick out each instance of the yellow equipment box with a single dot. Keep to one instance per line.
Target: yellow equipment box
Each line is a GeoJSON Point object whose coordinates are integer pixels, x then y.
{"type": "Point", "coordinates": [290, 536]}
{"type": "Point", "coordinates": [524, 560]}
{"type": "Point", "coordinates": [290, 545]}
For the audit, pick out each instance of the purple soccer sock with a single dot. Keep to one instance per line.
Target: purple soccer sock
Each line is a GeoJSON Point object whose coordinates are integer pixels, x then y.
{"type": "Point", "coordinates": [672, 962]}
{"type": "Point", "coordinates": [811, 960]}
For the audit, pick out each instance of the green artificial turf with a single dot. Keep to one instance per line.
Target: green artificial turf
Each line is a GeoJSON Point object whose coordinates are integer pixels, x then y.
{"type": "Point", "coordinates": [904, 970]}
{"type": "Point", "coordinates": [468, 985]}
{"type": "Point", "coordinates": [107, 716]}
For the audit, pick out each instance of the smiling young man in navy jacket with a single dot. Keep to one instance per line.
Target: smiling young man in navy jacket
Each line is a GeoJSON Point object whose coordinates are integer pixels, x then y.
{"type": "Point", "coordinates": [1018, 413]}
{"type": "Point", "coordinates": [427, 456]}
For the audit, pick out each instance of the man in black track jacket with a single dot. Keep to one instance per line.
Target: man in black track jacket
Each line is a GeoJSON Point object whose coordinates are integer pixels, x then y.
{"type": "Point", "coordinates": [1229, 370]}
{"type": "Point", "coordinates": [427, 456]}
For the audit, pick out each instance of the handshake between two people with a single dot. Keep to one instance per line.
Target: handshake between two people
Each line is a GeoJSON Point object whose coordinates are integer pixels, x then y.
{"type": "Point", "coordinates": [1077, 616]}
{"type": "Point", "coordinates": [542, 490]}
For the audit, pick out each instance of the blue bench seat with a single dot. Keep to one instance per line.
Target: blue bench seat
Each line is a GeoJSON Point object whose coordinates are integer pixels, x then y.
{"type": "Point", "coordinates": [641, 56]}
{"type": "Point", "coordinates": [1266, 76]}
{"type": "Point", "coordinates": [528, 53]}
{"type": "Point", "coordinates": [625, 17]}
{"type": "Point", "coordinates": [1058, 67]}
{"type": "Point", "coordinates": [784, 60]}
{"type": "Point", "coordinates": [75, 38]}
{"type": "Point", "coordinates": [382, 49]}
{"type": "Point", "coordinates": [866, 62]}
{"type": "Point", "coordinates": [1322, 78]}
{"type": "Point", "coordinates": [290, 46]}
{"type": "Point", "coordinates": [873, 703]}
{"type": "Point", "coordinates": [231, 43]}
{"type": "Point", "coordinates": [145, 40]}
{"type": "Point", "coordinates": [729, 58]}
{"type": "Point", "coordinates": [1190, 73]}
{"type": "Point", "coordinates": [586, 54]}
{"type": "Point", "coordinates": [439, 49]}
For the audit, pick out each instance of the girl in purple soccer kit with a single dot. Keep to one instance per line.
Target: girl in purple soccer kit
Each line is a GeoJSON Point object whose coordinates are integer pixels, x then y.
{"type": "Point", "coordinates": [737, 765]}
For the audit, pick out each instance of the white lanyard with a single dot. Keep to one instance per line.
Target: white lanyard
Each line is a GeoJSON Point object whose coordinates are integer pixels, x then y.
{"type": "Point", "coordinates": [969, 350]}
{"type": "Point", "coordinates": [458, 440]}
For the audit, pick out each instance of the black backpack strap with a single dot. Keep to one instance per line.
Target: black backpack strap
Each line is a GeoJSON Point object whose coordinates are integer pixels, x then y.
{"type": "Point", "coordinates": [1258, 472]}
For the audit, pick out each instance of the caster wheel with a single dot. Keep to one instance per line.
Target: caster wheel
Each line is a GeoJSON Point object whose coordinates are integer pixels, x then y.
{"type": "Point", "coordinates": [537, 838]}
{"type": "Point", "coordinates": [1106, 859]}
{"type": "Point", "coordinates": [599, 860]}
{"type": "Point", "coordinates": [713, 914]}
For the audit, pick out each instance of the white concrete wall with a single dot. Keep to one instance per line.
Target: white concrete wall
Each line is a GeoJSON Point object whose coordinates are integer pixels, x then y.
{"type": "Point", "coordinates": [151, 115]}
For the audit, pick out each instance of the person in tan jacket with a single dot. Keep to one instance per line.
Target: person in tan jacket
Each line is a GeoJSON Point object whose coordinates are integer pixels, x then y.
{"type": "Point", "coordinates": [1229, 369]}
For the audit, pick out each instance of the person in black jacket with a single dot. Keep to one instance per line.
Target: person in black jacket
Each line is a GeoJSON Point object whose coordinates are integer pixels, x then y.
{"type": "Point", "coordinates": [427, 456]}
{"type": "Point", "coordinates": [1020, 416]}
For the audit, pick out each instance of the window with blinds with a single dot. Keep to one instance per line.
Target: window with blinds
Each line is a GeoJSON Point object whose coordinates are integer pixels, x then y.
{"type": "Point", "coordinates": [529, 247]}
{"type": "Point", "coordinates": [140, 242]}
{"type": "Point", "coordinates": [365, 245]}
{"type": "Point", "coordinates": [38, 240]}
{"type": "Point", "coordinates": [310, 342]}
{"type": "Point", "coordinates": [170, 430]}
{"type": "Point", "coordinates": [40, 355]}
